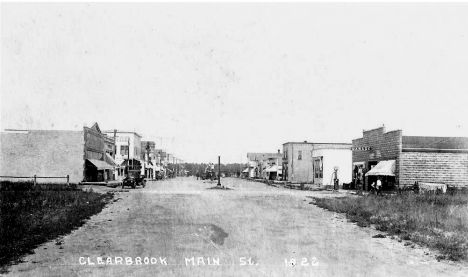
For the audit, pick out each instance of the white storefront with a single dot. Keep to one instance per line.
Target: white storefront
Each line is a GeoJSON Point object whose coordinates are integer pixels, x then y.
{"type": "Point", "coordinates": [127, 152]}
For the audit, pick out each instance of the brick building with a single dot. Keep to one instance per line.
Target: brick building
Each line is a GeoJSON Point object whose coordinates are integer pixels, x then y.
{"type": "Point", "coordinates": [48, 153]}
{"type": "Point", "coordinates": [403, 160]}
{"type": "Point", "coordinates": [305, 162]}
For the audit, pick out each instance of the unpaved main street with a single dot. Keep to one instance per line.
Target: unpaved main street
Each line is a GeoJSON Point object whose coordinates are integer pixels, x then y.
{"type": "Point", "coordinates": [249, 231]}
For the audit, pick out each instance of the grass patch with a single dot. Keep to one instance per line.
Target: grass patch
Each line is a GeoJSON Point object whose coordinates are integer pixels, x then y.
{"type": "Point", "coordinates": [437, 221]}
{"type": "Point", "coordinates": [31, 215]}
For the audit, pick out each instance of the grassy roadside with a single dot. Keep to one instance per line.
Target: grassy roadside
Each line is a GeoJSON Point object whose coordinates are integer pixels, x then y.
{"type": "Point", "coordinates": [437, 221]}
{"type": "Point", "coordinates": [31, 215]}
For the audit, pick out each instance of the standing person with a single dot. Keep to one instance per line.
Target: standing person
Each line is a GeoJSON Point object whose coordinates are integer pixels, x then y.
{"type": "Point", "coordinates": [378, 186]}
{"type": "Point", "coordinates": [359, 177]}
{"type": "Point", "coordinates": [198, 175]}
{"type": "Point", "coordinates": [364, 171]}
{"type": "Point", "coordinates": [373, 188]}
{"type": "Point", "coordinates": [356, 171]}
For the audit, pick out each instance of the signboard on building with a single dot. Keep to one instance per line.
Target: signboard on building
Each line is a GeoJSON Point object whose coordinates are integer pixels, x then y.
{"type": "Point", "coordinates": [123, 139]}
{"type": "Point", "coordinates": [361, 148]}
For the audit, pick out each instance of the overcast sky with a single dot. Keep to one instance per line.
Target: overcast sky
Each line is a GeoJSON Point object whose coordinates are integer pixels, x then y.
{"type": "Point", "coordinates": [204, 80]}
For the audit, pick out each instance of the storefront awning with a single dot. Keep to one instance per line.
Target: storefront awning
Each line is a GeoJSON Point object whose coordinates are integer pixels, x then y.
{"type": "Point", "coordinates": [110, 160]}
{"type": "Point", "coordinates": [273, 168]}
{"type": "Point", "coordinates": [245, 170]}
{"type": "Point", "coordinates": [133, 162]}
{"type": "Point", "coordinates": [100, 165]}
{"type": "Point", "coordinates": [383, 168]}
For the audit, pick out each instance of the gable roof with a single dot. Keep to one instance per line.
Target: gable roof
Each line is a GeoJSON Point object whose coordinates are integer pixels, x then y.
{"type": "Point", "coordinates": [95, 127]}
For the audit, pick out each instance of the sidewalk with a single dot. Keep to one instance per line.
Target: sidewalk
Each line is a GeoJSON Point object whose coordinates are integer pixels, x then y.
{"type": "Point", "coordinates": [297, 186]}
{"type": "Point", "coordinates": [111, 184]}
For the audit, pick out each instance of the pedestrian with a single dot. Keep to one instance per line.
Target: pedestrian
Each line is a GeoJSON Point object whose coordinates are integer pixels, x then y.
{"type": "Point", "coordinates": [198, 175]}
{"type": "Point", "coordinates": [373, 189]}
{"type": "Point", "coordinates": [378, 185]}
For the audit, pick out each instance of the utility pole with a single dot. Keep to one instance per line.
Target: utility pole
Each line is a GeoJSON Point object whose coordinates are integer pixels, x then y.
{"type": "Point", "coordinates": [115, 147]}
{"type": "Point", "coordinates": [219, 170]}
{"type": "Point", "coordinates": [292, 162]}
{"type": "Point", "coordinates": [113, 155]}
{"type": "Point", "coordinates": [128, 155]}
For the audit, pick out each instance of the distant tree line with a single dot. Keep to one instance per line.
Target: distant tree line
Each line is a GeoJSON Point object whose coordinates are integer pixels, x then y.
{"type": "Point", "coordinates": [228, 169]}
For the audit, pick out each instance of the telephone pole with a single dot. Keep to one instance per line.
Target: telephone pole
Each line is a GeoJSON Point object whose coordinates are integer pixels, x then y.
{"type": "Point", "coordinates": [128, 155]}
{"type": "Point", "coordinates": [219, 170]}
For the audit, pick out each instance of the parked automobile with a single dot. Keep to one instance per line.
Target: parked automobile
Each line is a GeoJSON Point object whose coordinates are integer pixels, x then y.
{"type": "Point", "coordinates": [133, 179]}
{"type": "Point", "coordinates": [159, 175]}
{"type": "Point", "coordinates": [207, 175]}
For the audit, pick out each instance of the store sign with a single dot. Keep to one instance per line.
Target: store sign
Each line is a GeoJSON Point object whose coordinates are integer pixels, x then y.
{"type": "Point", "coordinates": [361, 148]}
{"type": "Point", "coordinates": [123, 139]}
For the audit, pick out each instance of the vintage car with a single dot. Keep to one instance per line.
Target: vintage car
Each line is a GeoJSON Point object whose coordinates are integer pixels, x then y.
{"type": "Point", "coordinates": [159, 175]}
{"type": "Point", "coordinates": [208, 175]}
{"type": "Point", "coordinates": [133, 179]}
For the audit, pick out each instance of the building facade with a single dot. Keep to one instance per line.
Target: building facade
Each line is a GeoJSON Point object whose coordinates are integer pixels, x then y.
{"type": "Point", "coordinates": [50, 153]}
{"type": "Point", "coordinates": [127, 151]}
{"type": "Point", "coordinates": [148, 155]}
{"type": "Point", "coordinates": [316, 163]}
{"type": "Point", "coordinates": [405, 160]}
{"type": "Point", "coordinates": [262, 165]}
{"type": "Point", "coordinates": [99, 165]}
{"type": "Point", "coordinates": [330, 161]}
{"type": "Point", "coordinates": [297, 162]}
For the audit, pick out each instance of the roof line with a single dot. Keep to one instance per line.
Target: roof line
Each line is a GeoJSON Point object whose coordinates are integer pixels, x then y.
{"type": "Point", "coordinates": [117, 131]}
{"type": "Point", "coordinates": [319, 143]}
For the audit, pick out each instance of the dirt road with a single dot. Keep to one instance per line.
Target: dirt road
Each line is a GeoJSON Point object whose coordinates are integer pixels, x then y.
{"type": "Point", "coordinates": [179, 228]}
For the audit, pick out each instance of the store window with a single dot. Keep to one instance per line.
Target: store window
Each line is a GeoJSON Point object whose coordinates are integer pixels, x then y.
{"type": "Point", "coordinates": [124, 150]}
